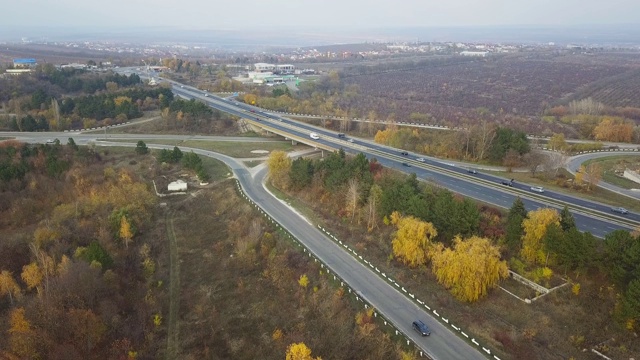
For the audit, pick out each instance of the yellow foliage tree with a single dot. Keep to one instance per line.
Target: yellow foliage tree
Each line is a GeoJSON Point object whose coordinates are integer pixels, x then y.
{"type": "Point", "coordinates": [21, 335]}
{"type": "Point", "coordinates": [580, 175]}
{"type": "Point", "coordinates": [385, 136]}
{"type": "Point", "coordinates": [470, 269]}
{"type": "Point", "coordinates": [279, 165]}
{"type": "Point", "coordinates": [303, 281]}
{"type": "Point", "coordinates": [250, 99]}
{"type": "Point", "coordinates": [365, 321]}
{"type": "Point", "coordinates": [32, 276]}
{"type": "Point", "coordinates": [299, 351]}
{"type": "Point", "coordinates": [412, 241]}
{"type": "Point", "coordinates": [63, 266]}
{"type": "Point", "coordinates": [557, 142]}
{"type": "Point", "coordinates": [45, 235]}
{"type": "Point", "coordinates": [121, 99]}
{"type": "Point", "coordinates": [125, 231]}
{"type": "Point", "coordinates": [277, 335]}
{"type": "Point", "coordinates": [535, 227]}
{"type": "Point", "coordinates": [614, 129]}
{"type": "Point", "coordinates": [8, 286]}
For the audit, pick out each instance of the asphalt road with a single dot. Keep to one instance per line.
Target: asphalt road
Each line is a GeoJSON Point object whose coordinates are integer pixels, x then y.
{"type": "Point", "coordinates": [442, 344]}
{"type": "Point", "coordinates": [482, 187]}
{"type": "Point", "coordinates": [576, 161]}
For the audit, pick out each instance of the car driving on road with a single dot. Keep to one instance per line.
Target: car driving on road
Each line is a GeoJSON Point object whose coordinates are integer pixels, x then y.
{"type": "Point", "coordinates": [538, 189]}
{"type": "Point", "coordinates": [420, 159]}
{"type": "Point", "coordinates": [507, 182]}
{"type": "Point", "coordinates": [421, 328]}
{"type": "Point", "coordinates": [620, 210]}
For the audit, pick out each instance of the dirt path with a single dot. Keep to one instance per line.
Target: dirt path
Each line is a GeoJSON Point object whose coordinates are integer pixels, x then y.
{"type": "Point", "coordinates": [174, 291]}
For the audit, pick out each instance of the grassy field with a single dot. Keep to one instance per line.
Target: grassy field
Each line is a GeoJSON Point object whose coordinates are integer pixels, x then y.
{"type": "Point", "coordinates": [216, 168]}
{"type": "Point", "coordinates": [240, 294]}
{"type": "Point", "coordinates": [609, 166]}
{"type": "Point", "coordinates": [253, 163]}
{"type": "Point", "coordinates": [230, 148]}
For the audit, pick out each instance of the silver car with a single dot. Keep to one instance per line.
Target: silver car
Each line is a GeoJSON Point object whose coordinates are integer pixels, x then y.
{"type": "Point", "coordinates": [538, 189]}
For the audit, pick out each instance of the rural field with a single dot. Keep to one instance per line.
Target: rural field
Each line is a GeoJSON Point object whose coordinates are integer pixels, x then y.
{"type": "Point", "coordinates": [241, 293]}
{"type": "Point", "coordinates": [512, 90]}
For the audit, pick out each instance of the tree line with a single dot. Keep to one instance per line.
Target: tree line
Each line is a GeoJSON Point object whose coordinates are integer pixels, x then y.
{"type": "Point", "coordinates": [76, 278]}
{"type": "Point", "coordinates": [86, 111]}
{"type": "Point", "coordinates": [465, 246]}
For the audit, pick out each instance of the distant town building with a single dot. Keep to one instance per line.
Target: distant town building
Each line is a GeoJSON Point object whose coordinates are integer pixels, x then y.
{"type": "Point", "coordinates": [264, 67]}
{"type": "Point", "coordinates": [285, 68]}
{"type": "Point", "coordinates": [272, 68]}
{"type": "Point", "coordinates": [178, 185]}
{"type": "Point", "coordinates": [74, 66]}
{"type": "Point", "coordinates": [17, 71]}
{"type": "Point", "coordinates": [24, 63]}
{"type": "Point", "coordinates": [474, 53]}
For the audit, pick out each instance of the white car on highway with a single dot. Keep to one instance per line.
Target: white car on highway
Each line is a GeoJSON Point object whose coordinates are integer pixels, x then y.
{"type": "Point", "coordinates": [538, 189]}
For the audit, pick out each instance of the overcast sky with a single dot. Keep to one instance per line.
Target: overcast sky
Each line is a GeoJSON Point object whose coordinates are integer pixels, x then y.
{"type": "Point", "coordinates": [229, 14]}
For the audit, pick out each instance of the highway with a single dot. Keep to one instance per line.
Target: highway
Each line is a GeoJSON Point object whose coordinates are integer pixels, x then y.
{"type": "Point", "coordinates": [395, 306]}
{"type": "Point", "coordinates": [590, 216]}
{"type": "Point", "coordinates": [442, 344]}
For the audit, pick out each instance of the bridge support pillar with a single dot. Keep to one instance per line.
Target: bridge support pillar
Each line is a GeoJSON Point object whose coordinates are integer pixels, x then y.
{"type": "Point", "coordinates": [293, 142]}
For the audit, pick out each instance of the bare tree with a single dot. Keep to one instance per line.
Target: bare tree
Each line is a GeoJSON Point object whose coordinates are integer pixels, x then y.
{"type": "Point", "coordinates": [554, 162]}
{"type": "Point", "coordinates": [483, 135]}
{"type": "Point", "coordinates": [594, 175]}
{"type": "Point", "coordinates": [353, 194]}
{"type": "Point", "coordinates": [533, 160]}
{"type": "Point", "coordinates": [586, 106]}
{"type": "Point", "coordinates": [374, 198]}
{"type": "Point", "coordinates": [511, 160]}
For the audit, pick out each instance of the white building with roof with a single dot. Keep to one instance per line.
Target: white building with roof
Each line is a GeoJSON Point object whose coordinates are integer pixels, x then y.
{"type": "Point", "coordinates": [474, 53]}
{"type": "Point", "coordinates": [264, 67]}
{"type": "Point", "coordinates": [178, 185]}
{"type": "Point", "coordinates": [285, 68]}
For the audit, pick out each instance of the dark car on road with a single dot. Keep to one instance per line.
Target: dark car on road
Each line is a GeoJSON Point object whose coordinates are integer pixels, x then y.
{"type": "Point", "coordinates": [421, 328]}
{"type": "Point", "coordinates": [404, 153]}
{"type": "Point", "coordinates": [406, 164]}
{"type": "Point", "coordinates": [472, 171]}
{"type": "Point", "coordinates": [507, 182]}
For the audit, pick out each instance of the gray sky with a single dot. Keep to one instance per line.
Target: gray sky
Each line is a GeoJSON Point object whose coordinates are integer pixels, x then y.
{"type": "Point", "coordinates": [229, 14]}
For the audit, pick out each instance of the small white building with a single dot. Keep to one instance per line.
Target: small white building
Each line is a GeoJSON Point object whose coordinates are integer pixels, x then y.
{"type": "Point", "coordinates": [285, 68]}
{"type": "Point", "coordinates": [178, 185]}
{"type": "Point", "coordinates": [264, 67]}
{"type": "Point", "coordinates": [474, 53]}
